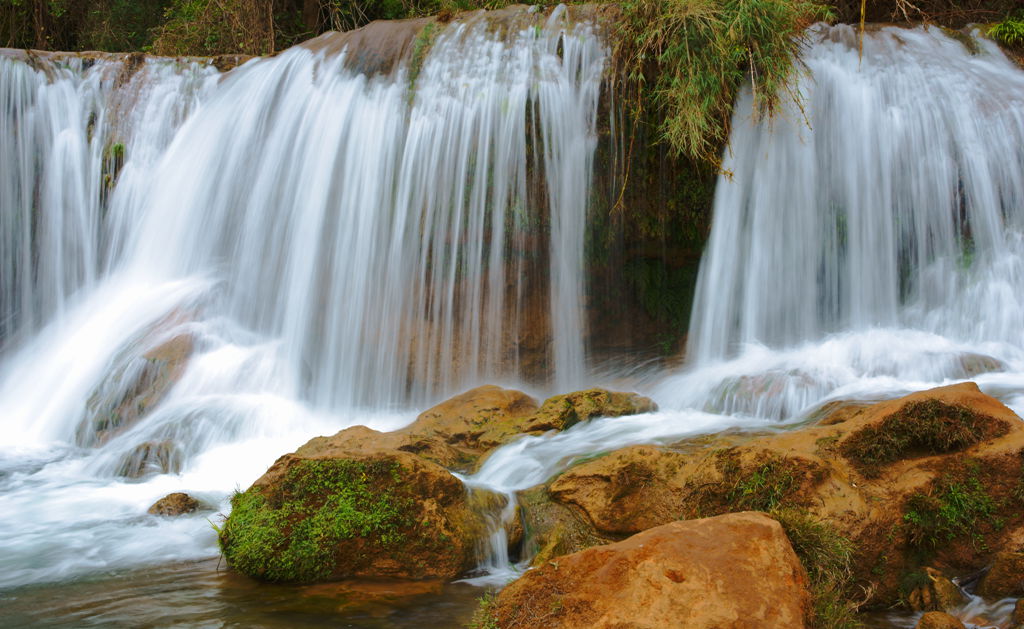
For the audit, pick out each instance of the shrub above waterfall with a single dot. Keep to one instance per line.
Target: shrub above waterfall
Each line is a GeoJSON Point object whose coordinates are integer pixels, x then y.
{"type": "Point", "coordinates": [691, 57]}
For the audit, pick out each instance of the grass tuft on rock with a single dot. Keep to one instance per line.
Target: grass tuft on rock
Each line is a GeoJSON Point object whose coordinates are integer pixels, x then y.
{"type": "Point", "coordinates": [484, 617]}
{"type": "Point", "coordinates": [954, 507]}
{"type": "Point", "coordinates": [919, 428]}
{"type": "Point", "coordinates": [292, 534]}
{"type": "Point", "coordinates": [827, 557]}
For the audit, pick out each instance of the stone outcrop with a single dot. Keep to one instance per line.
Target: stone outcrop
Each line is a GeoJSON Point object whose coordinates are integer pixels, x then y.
{"type": "Point", "coordinates": [731, 571]}
{"type": "Point", "coordinates": [457, 432]}
{"type": "Point", "coordinates": [935, 593]}
{"type": "Point", "coordinates": [925, 481]}
{"type": "Point", "coordinates": [174, 504]}
{"type": "Point", "coordinates": [133, 389]}
{"type": "Point", "coordinates": [938, 620]}
{"type": "Point", "coordinates": [1005, 578]}
{"type": "Point", "coordinates": [362, 503]}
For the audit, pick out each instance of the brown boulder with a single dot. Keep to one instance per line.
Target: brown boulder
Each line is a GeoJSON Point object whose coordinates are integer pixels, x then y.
{"type": "Point", "coordinates": [174, 504]}
{"type": "Point", "coordinates": [341, 514]}
{"type": "Point", "coordinates": [937, 593]}
{"type": "Point", "coordinates": [732, 571]}
{"type": "Point", "coordinates": [938, 620]}
{"type": "Point", "coordinates": [1005, 578]}
{"type": "Point", "coordinates": [459, 431]}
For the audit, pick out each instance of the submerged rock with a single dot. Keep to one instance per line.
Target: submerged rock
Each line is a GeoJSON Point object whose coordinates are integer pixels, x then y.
{"type": "Point", "coordinates": [340, 514]}
{"type": "Point", "coordinates": [736, 570]}
{"type": "Point", "coordinates": [151, 457]}
{"type": "Point", "coordinates": [132, 390]}
{"type": "Point", "coordinates": [174, 504]}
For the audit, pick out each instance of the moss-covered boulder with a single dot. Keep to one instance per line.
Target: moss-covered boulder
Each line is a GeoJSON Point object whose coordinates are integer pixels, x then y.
{"type": "Point", "coordinates": [352, 514]}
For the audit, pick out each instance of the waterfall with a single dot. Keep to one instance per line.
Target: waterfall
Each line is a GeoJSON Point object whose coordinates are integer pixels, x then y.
{"type": "Point", "coordinates": [865, 244]}
{"type": "Point", "coordinates": [896, 201]}
{"type": "Point", "coordinates": [203, 270]}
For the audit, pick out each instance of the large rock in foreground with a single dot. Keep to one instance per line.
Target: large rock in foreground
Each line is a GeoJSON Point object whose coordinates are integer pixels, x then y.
{"type": "Point", "coordinates": [731, 571]}
{"type": "Point", "coordinates": [342, 514]}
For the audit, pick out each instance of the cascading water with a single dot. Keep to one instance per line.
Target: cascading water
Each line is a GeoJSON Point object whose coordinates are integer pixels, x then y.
{"type": "Point", "coordinates": [314, 247]}
{"type": "Point", "coordinates": [865, 245]}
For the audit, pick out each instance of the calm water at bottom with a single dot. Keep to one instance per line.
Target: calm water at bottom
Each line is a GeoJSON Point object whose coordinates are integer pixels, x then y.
{"type": "Point", "coordinates": [203, 594]}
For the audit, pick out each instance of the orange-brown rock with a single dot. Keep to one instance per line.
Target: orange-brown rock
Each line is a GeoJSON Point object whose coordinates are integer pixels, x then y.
{"type": "Point", "coordinates": [174, 504]}
{"type": "Point", "coordinates": [937, 593]}
{"type": "Point", "coordinates": [458, 431]}
{"type": "Point", "coordinates": [1005, 578]}
{"type": "Point", "coordinates": [938, 620]}
{"type": "Point", "coordinates": [732, 571]}
{"type": "Point", "coordinates": [889, 492]}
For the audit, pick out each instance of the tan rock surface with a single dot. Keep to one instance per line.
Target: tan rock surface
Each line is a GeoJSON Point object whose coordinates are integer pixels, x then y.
{"type": "Point", "coordinates": [733, 571]}
{"type": "Point", "coordinates": [938, 620]}
{"type": "Point", "coordinates": [894, 516]}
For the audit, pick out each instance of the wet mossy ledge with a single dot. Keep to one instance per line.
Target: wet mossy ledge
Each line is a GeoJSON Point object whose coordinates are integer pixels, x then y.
{"type": "Point", "coordinates": [364, 504]}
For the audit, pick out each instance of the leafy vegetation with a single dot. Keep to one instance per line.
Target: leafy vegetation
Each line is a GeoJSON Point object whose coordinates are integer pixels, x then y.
{"type": "Point", "coordinates": [953, 508]}
{"type": "Point", "coordinates": [1010, 31]}
{"type": "Point", "coordinates": [691, 57]}
{"type": "Point", "coordinates": [763, 488]}
{"type": "Point", "coordinates": [926, 427]}
{"type": "Point", "coordinates": [293, 533]}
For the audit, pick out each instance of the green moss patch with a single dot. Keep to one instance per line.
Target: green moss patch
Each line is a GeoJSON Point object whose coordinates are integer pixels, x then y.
{"type": "Point", "coordinates": [918, 429]}
{"type": "Point", "coordinates": [292, 533]}
{"type": "Point", "coordinates": [954, 507]}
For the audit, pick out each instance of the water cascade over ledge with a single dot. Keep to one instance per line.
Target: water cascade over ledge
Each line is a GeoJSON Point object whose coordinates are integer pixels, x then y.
{"type": "Point", "coordinates": [314, 246]}
{"type": "Point", "coordinates": [303, 244]}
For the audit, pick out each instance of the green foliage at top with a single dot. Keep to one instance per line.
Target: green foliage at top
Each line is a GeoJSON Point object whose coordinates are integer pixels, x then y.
{"type": "Point", "coordinates": [925, 427]}
{"type": "Point", "coordinates": [954, 508]}
{"type": "Point", "coordinates": [692, 56]}
{"type": "Point", "coordinates": [115, 25]}
{"type": "Point", "coordinates": [827, 556]}
{"type": "Point", "coordinates": [292, 534]}
{"type": "Point", "coordinates": [1010, 31]}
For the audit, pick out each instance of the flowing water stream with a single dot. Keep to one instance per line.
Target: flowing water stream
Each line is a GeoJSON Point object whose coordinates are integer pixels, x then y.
{"type": "Point", "coordinates": [305, 247]}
